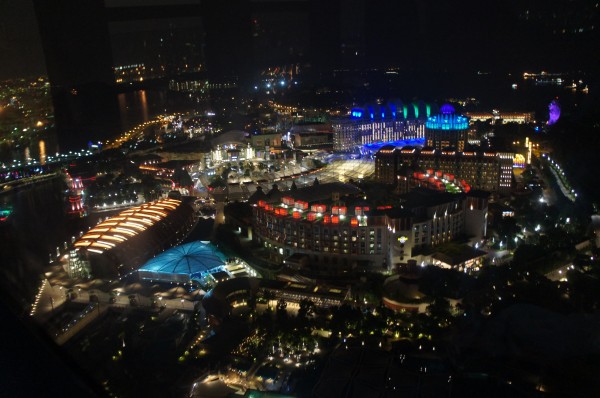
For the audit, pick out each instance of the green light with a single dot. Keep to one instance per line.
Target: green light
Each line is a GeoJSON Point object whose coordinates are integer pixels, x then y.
{"type": "Point", "coordinates": [405, 111]}
{"type": "Point", "coordinates": [428, 108]}
{"type": "Point", "coordinates": [416, 108]}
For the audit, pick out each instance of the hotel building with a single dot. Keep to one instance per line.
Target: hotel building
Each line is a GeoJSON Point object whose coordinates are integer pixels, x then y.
{"type": "Point", "coordinates": [447, 130]}
{"type": "Point", "coordinates": [503, 117]}
{"type": "Point", "coordinates": [396, 121]}
{"type": "Point", "coordinates": [485, 170]}
{"type": "Point", "coordinates": [337, 229]}
{"type": "Point", "coordinates": [446, 136]}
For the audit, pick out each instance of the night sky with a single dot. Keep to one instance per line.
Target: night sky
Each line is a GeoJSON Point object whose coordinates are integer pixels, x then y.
{"type": "Point", "coordinates": [20, 45]}
{"type": "Point", "coordinates": [467, 34]}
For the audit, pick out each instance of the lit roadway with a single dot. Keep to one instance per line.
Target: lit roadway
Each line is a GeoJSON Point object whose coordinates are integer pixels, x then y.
{"type": "Point", "coordinates": [549, 193]}
{"type": "Point", "coordinates": [22, 182]}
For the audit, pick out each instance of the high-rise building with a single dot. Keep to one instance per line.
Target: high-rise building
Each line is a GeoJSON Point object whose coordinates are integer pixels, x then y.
{"type": "Point", "coordinates": [486, 170]}
{"type": "Point", "coordinates": [447, 130]}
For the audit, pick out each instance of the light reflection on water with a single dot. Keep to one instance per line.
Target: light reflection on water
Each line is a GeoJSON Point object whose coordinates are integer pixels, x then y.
{"type": "Point", "coordinates": [135, 107]}
{"type": "Point", "coordinates": [37, 148]}
{"type": "Point", "coordinates": [42, 144]}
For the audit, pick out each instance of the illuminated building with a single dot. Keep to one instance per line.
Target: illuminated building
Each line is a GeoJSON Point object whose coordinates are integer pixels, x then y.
{"type": "Point", "coordinates": [338, 230]}
{"type": "Point", "coordinates": [130, 73]}
{"type": "Point", "coordinates": [503, 117]}
{"type": "Point", "coordinates": [447, 130]}
{"type": "Point", "coordinates": [219, 301]}
{"type": "Point", "coordinates": [312, 136]}
{"type": "Point", "coordinates": [393, 122]}
{"type": "Point", "coordinates": [75, 206]}
{"type": "Point", "coordinates": [261, 145]}
{"type": "Point", "coordinates": [122, 243]}
{"type": "Point", "coordinates": [202, 88]}
{"type": "Point", "coordinates": [506, 161]}
{"type": "Point", "coordinates": [486, 170]}
{"type": "Point", "coordinates": [386, 163]}
{"type": "Point", "coordinates": [265, 141]}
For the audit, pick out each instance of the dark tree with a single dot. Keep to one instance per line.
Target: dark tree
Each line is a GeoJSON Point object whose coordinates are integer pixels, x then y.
{"type": "Point", "coordinates": [182, 178]}
{"type": "Point", "coordinates": [439, 309]}
{"type": "Point", "coordinates": [307, 309]}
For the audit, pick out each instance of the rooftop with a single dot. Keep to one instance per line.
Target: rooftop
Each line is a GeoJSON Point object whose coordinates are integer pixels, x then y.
{"type": "Point", "coordinates": [427, 197]}
{"type": "Point", "coordinates": [322, 191]}
{"type": "Point", "coordinates": [195, 258]}
{"type": "Point", "coordinates": [457, 254]}
{"type": "Point", "coordinates": [127, 224]}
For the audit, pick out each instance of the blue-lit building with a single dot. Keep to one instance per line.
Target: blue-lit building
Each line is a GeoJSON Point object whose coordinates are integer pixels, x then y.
{"type": "Point", "coordinates": [447, 130]}
{"type": "Point", "coordinates": [181, 264]}
{"type": "Point", "coordinates": [381, 123]}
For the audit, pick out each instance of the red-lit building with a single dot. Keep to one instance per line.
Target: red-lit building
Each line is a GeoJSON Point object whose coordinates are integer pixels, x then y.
{"type": "Point", "coordinates": [337, 229]}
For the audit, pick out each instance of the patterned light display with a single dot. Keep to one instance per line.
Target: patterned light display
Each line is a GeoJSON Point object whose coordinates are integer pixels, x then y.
{"type": "Point", "coordinates": [406, 111]}
{"type": "Point", "coordinates": [447, 122]}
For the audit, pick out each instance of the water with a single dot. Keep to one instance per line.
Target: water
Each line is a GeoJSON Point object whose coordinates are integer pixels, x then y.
{"type": "Point", "coordinates": [493, 91]}
{"type": "Point", "coordinates": [38, 147]}
{"type": "Point", "coordinates": [137, 107]}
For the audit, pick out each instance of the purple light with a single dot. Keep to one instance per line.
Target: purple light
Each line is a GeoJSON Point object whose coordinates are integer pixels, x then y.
{"type": "Point", "coordinates": [447, 109]}
{"type": "Point", "coordinates": [553, 112]}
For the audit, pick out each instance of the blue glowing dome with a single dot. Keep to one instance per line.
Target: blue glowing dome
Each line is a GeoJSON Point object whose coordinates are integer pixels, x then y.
{"type": "Point", "coordinates": [447, 109]}
{"type": "Point", "coordinates": [447, 121]}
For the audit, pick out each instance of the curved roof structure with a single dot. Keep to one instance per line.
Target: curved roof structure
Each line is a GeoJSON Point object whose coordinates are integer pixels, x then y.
{"type": "Point", "coordinates": [127, 224]}
{"type": "Point", "coordinates": [195, 258]}
{"type": "Point", "coordinates": [230, 137]}
{"type": "Point", "coordinates": [447, 109]}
